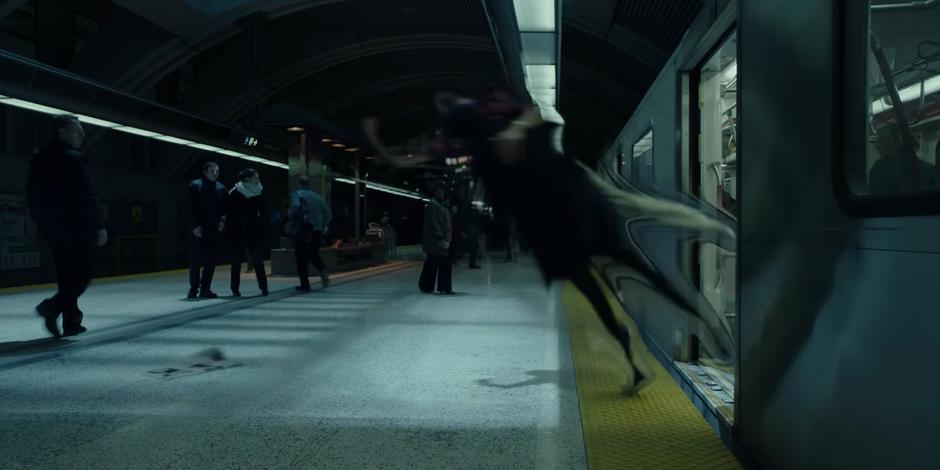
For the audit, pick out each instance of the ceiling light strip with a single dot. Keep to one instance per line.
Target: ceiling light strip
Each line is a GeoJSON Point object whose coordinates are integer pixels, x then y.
{"type": "Point", "coordinates": [23, 104]}
{"type": "Point", "coordinates": [383, 188]}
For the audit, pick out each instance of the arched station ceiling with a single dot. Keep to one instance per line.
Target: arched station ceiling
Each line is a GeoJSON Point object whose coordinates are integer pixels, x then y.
{"type": "Point", "coordinates": [343, 59]}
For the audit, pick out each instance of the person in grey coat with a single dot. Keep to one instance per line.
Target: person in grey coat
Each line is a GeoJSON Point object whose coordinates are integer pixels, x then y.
{"type": "Point", "coordinates": [308, 217]}
{"type": "Point", "coordinates": [435, 241]}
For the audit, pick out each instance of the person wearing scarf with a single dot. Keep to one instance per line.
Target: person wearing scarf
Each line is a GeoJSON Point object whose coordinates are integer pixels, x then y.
{"type": "Point", "coordinates": [245, 215]}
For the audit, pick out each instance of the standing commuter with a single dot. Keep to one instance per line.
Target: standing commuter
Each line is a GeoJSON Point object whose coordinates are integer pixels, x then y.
{"type": "Point", "coordinates": [245, 216]}
{"type": "Point", "coordinates": [207, 207]}
{"type": "Point", "coordinates": [308, 218]}
{"type": "Point", "coordinates": [435, 242]}
{"type": "Point", "coordinates": [897, 170]}
{"type": "Point", "coordinates": [391, 238]}
{"type": "Point", "coordinates": [63, 203]}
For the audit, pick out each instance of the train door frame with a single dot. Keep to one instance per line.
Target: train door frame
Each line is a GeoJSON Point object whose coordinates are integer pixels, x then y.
{"type": "Point", "coordinates": [691, 78]}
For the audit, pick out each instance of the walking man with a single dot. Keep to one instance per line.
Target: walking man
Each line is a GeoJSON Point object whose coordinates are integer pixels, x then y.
{"type": "Point", "coordinates": [207, 208]}
{"type": "Point", "coordinates": [308, 218]}
{"type": "Point", "coordinates": [63, 202]}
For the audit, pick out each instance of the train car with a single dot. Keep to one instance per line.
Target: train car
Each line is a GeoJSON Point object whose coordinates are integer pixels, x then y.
{"type": "Point", "coordinates": [814, 126]}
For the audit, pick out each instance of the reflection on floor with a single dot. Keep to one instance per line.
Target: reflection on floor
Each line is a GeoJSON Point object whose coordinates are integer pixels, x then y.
{"type": "Point", "coordinates": [363, 375]}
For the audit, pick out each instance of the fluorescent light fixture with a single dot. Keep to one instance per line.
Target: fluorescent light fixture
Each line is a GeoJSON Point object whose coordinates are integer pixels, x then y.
{"type": "Point", "coordinates": [235, 154]}
{"type": "Point", "coordinates": [295, 129]}
{"type": "Point", "coordinates": [95, 121]}
{"type": "Point", "coordinates": [136, 131]}
{"type": "Point", "coordinates": [543, 96]}
{"type": "Point", "coordinates": [338, 145]}
{"type": "Point", "coordinates": [208, 148]}
{"type": "Point", "coordinates": [539, 48]}
{"type": "Point", "coordinates": [383, 188]}
{"type": "Point", "coordinates": [540, 76]}
{"type": "Point", "coordinates": [908, 93]}
{"type": "Point", "coordinates": [33, 106]}
{"type": "Point", "coordinates": [173, 140]}
{"type": "Point", "coordinates": [535, 15]}
{"type": "Point", "coordinates": [326, 140]}
{"type": "Point", "coordinates": [550, 114]}
{"type": "Point", "coordinates": [730, 74]}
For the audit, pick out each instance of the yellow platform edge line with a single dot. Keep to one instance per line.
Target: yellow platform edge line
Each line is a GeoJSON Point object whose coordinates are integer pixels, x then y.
{"type": "Point", "coordinates": [657, 429]}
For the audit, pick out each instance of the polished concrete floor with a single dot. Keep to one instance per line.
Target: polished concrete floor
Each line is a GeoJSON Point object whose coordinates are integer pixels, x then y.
{"type": "Point", "coordinates": [368, 374]}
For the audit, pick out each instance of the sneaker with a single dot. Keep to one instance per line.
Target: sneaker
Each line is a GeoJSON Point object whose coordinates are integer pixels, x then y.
{"type": "Point", "coordinates": [208, 295]}
{"type": "Point", "coordinates": [446, 292]}
{"type": "Point", "coordinates": [324, 280]}
{"type": "Point", "coordinates": [74, 331]}
{"type": "Point", "coordinates": [264, 292]}
{"type": "Point", "coordinates": [236, 294]}
{"type": "Point", "coordinates": [302, 288]}
{"type": "Point", "coordinates": [191, 294]}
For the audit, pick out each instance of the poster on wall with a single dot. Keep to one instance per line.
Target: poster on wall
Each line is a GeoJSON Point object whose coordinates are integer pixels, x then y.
{"type": "Point", "coordinates": [19, 243]}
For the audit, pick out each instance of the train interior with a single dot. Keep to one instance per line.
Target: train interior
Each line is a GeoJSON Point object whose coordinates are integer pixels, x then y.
{"type": "Point", "coordinates": [904, 53]}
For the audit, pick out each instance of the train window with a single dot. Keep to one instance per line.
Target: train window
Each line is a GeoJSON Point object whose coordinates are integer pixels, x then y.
{"type": "Point", "coordinates": [642, 160]}
{"type": "Point", "coordinates": [892, 166]}
{"type": "Point", "coordinates": [718, 138]}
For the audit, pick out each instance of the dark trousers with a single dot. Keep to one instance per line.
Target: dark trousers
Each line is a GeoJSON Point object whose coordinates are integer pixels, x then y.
{"type": "Point", "coordinates": [237, 253]}
{"type": "Point", "coordinates": [436, 266]}
{"type": "Point", "coordinates": [474, 248]}
{"type": "Point", "coordinates": [201, 255]}
{"type": "Point", "coordinates": [74, 264]}
{"type": "Point", "coordinates": [307, 251]}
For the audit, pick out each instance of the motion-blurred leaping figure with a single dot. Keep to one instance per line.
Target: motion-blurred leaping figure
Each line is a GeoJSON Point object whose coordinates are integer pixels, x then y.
{"type": "Point", "coordinates": [565, 212]}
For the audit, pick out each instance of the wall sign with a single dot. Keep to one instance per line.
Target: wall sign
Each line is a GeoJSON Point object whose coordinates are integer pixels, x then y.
{"type": "Point", "coordinates": [19, 243]}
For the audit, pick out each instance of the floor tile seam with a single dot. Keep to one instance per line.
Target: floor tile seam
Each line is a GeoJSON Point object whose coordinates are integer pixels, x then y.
{"type": "Point", "coordinates": [146, 276]}
{"type": "Point", "coordinates": [169, 321]}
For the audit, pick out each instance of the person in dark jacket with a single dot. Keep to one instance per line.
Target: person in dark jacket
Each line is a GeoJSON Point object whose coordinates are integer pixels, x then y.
{"type": "Point", "coordinates": [63, 203]}
{"type": "Point", "coordinates": [435, 242]}
{"type": "Point", "coordinates": [207, 208]}
{"type": "Point", "coordinates": [308, 218]}
{"type": "Point", "coordinates": [245, 216]}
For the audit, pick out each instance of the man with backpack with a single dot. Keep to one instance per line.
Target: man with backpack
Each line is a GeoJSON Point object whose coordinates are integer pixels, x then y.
{"type": "Point", "coordinates": [308, 217]}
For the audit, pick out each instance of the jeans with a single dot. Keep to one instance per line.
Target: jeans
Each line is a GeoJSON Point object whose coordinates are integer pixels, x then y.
{"type": "Point", "coordinates": [307, 251]}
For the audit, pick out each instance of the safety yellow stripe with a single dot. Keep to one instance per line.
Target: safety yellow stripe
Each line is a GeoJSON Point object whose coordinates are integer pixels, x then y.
{"type": "Point", "coordinates": [657, 429]}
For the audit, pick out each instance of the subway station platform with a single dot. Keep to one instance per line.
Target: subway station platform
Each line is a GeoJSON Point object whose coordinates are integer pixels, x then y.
{"type": "Point", "coordinates": [366, 374]}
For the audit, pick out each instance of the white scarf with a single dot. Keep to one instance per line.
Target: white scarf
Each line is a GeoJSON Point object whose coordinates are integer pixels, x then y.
{"type": "Point", "coordinates": [248, 189]}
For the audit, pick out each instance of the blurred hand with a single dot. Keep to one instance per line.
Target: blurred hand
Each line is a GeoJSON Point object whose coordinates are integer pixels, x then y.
{"type": "Point", "coordinates": [197, 232]}
{"type": "Point", "coordinates": [370, 126]}
{"type": "Point", "coordinates": [102, 237]}
{"type": "Point", "coordinates": [221, 226]}
{"type": "Point", "coordinates": [444, 244]}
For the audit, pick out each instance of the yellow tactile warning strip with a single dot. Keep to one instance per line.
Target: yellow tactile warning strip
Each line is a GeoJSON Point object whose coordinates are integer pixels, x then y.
{"type": "Point", "coordinates": [657, 429]}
